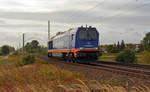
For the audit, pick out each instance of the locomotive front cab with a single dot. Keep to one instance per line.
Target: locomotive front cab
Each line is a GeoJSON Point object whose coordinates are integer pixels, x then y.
{"type": "Point", "coordinates": [87, 41]}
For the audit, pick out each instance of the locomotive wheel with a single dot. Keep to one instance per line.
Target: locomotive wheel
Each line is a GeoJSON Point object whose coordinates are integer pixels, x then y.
{"type": "Point", "coordinates": [74, 60]}
{"type": "Point", "coordinates": [50, 54]}
{"type": "Point", "coordinates": [71, 58]}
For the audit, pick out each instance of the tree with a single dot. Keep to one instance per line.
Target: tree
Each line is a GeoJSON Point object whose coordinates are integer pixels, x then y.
{"type": "Point", "coordinates": [122, 45]}
{"type": "Point", "coordinates": [32, 47]}
{"type": "Point", "coordinates": [114, 49]}
{"type": "Point", "coordinates": [28, 47]}
{"type": "Point", "coordinates": [109, 48]}
{"type": "Point", "coordinates": [118, 46]}
{"type": "Point", "coordinates": [35, 44]}
{"type": "Point", "coordinates": [146, 42]}
{"type": "Point", "coordinates": [131, 47]}
{"type": "Point", "coordinates": [5, 49]}
{"type": "Point", "coordinates": [141, 49]}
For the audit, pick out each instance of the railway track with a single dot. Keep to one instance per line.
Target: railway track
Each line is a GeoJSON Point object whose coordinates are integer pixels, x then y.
{"type": "Point", "coordinates": [136, 71]}
{"type": "Point", "coordinates": [125, 70]}
{"type": "Point", "coordinates": [136, 66]}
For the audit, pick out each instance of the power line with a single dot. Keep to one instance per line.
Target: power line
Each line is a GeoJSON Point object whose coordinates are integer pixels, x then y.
{"type": "Point", "coordinates": [97, 5]}
{"type": "Point", "coordinates": [74, 14]}
{"type": "Point", "coordinates": [118, 13]}
{"type": "Point", "coordinates": [89, 10]}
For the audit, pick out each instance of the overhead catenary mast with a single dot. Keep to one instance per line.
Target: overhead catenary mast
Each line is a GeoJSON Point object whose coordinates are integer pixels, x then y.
{"type": "Point", "coordinates": [23, 44]}
{"type": "Point", "coordinates": [49, 31]}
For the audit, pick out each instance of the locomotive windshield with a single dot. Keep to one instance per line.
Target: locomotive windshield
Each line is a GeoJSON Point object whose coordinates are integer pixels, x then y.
{"type": "Point", "coordinates": [89, 34]}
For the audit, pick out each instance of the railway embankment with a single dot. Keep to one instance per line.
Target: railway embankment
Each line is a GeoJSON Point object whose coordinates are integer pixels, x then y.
{"type": "Point", "coordinates": [53, 75]}
{"type": "Point", "coordinates": [105, 73]}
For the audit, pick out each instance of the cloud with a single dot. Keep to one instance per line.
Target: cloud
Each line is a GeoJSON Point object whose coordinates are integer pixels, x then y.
{"type": "Point", "coordinates": [2, 22]}
{"type": "Point", "coordinates": [116, 20]}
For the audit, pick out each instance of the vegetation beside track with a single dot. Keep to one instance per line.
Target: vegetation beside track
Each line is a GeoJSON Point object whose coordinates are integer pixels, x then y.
{"type": "Point", "coordinates": [1, 57]}
{"type": "Point", "coordinates": [39, 76]}
{"type": "Point", "coordinates": [43, 77]}
{"type": "Point", "coordinates": [108, 57]}
{"type": "Point", "coordinates": [112, 56]}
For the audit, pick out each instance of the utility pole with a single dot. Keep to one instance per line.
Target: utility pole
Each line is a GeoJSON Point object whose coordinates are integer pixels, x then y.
{"type": "Point", "coordinates": [23, 46]}
{"type": "Point", "coordinates": [49, 30]}
{"type": "Point", "coordinates": [19, 48]}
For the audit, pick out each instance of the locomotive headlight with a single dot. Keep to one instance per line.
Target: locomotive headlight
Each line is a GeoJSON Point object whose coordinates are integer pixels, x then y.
{"type": "Point", "coordinates": [96, 48]}
{"type": "Point", "coordinates": [81, 48]}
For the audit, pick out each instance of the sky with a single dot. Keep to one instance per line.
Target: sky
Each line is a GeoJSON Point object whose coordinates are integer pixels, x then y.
{"type": "Point", "coordinates": [115, 20]}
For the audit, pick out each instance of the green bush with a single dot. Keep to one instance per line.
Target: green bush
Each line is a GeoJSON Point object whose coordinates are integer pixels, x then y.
{"type": "Point", "coordinates": [126, 56]}
{"type": "Point", "coordinates": [146, 57]}
{"type": "Point", "coordinates": [30, 59]}
{"type": "Point", "coordinates": [15, 53]}
{"type": "Point", "coordinates": [41, 61]}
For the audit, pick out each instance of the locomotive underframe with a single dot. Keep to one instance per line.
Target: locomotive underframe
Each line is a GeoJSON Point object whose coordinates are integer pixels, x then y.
{"type": "Point", "coordinates": [79, 56]}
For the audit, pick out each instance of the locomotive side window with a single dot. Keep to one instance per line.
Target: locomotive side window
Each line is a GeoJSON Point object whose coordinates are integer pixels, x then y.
{"type": "Point", "coordinates": [72, 36]}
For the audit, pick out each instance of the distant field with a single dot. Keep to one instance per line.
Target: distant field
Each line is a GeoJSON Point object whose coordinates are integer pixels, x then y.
{"type": "Point", "coordinates": [108, 57]}
{"type": "Point", "coordinates": [112, 56]}
{"type": "Point", "coordinates": [139, 58]}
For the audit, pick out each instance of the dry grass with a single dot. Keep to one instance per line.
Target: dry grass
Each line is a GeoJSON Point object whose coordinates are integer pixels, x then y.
{"type": "Point", "coordinates": [43, 77]}
{"type": "Point", "coordinates": [145, 57]}
{"type": "Point", "coordinates": [94, 86]}
{"type": "Point", "coordinates": [1, 57]}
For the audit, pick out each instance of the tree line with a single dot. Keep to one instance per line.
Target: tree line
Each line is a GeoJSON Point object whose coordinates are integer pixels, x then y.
{"type": "Point", "coordinates": [6, 49]}
{"type": "Point", "coordinates": [146, 42]}
{"type": "Point", "coordinates": [35, 47]}
{"type": "Point", "coordinates": [116, 48]}
{"type": "Point", "coordinates": [127, 54]}
{"type": "Point", "coordinates": [30, 47]}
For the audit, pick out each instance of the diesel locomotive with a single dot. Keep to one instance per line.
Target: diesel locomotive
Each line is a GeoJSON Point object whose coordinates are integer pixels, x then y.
{"type": "Point", "coordinates": [76, 45]}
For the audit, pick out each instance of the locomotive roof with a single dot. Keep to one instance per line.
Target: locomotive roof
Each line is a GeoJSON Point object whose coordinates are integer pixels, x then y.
{"type": "Point", "coordinates": [71, 30]}
{"type": "Point", "coordinates": [59, 34]}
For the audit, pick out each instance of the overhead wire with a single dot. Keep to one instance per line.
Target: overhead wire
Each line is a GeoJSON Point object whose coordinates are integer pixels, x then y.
{"type": "Point", "coordinates": [117, 13]}
{"type": "Point", "coordinates": [89, 10]}
{"type": "Point", "coordinates": [74, 14]}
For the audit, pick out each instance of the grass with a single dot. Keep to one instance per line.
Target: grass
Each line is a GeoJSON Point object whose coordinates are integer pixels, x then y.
{"type": "Point", "coordinates": [108, 57]}
{"type": "Point", "coordinates": [44, 77]}
{"type": "Point", "coordinates": [14, 77]}
{"type": "Point", "coordinates": [1, 57]}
